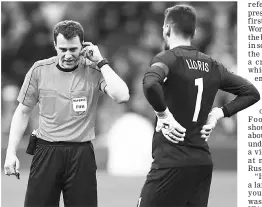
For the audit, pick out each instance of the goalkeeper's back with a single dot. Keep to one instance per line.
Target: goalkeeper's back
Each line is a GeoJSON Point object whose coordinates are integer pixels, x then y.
{"type": "Point", "coordinates": [189, 91]}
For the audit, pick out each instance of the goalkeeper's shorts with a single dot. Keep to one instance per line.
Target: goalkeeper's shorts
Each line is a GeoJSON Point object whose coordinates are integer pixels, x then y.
{"type": "Point", "coordinates": [177, 187]}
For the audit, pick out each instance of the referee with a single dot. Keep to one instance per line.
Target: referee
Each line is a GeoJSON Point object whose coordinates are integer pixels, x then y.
{"type": "Point", "coordinates": [66, 87]}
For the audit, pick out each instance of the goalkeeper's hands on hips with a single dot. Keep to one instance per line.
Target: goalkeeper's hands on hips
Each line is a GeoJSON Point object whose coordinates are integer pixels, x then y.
{"type": "Point", "coordinates": [170, 128]}
{"type": "Point", "coordinates": [215, 114]}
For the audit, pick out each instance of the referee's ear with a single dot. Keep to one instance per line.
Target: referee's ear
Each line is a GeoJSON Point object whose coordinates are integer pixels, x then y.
{"type": "Point", "coordinates": [83, 45]}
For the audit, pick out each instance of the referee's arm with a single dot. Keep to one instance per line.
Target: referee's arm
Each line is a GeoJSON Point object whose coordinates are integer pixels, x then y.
{"type": "Point", "coordinates": [28, 98]}
{"type": "Point", "coordinates": [152, 85]}
{"type": "Point", "coordinates": [115, 87]}
{"type": "Point", "coordinates": [18, 126]}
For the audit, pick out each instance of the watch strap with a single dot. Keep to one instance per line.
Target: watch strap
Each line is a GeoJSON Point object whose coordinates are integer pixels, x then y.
{"type": "Point", "coordinates": [102, 63]}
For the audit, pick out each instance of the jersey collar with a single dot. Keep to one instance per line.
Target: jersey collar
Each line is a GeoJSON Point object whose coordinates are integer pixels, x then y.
{"type": "Point", "coordinates": [188, 47]}
{"type": "Point", "coordinates": [66, 70]}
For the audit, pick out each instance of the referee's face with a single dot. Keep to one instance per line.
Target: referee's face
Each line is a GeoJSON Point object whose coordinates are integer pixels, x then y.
{"type": "Point", "coordinates": [68, 51]}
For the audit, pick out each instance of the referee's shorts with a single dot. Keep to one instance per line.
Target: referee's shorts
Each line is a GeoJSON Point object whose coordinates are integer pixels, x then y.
{"type": "Point", "coordinates": [177, 187]}
{"type": "Point", "coordinates": [62, 167]}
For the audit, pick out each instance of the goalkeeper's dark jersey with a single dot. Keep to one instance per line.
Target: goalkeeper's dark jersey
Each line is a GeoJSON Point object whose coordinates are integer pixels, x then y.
{"type": "Point", "coordinates": [189, 90]}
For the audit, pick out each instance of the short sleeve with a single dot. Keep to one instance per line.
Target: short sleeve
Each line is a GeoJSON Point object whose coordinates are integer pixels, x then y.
{"type": "Point", "coordinates": [102, 83]}
{"type": "Point", "coordinates": [28, 94]}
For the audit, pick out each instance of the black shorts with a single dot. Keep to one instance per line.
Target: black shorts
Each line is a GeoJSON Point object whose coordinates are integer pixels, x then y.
{"type": "Point", "coordinates": [62, 167]}
{"type": "Point", "coordinates": [177, 187]}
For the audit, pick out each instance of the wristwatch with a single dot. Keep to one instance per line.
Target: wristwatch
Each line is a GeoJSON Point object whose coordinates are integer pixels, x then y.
{"type": "Point", "coordinates": [101, 63]}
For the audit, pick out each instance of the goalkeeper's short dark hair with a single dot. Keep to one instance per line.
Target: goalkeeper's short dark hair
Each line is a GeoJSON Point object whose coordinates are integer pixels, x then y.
{"type": "Point", "coordinates": [182, 18]}
{"type": "Point", "coordinates": [69, 29]}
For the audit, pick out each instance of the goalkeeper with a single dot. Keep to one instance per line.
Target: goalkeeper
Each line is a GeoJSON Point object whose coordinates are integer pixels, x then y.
{"type": "Point", "coordinates": [181, 85]}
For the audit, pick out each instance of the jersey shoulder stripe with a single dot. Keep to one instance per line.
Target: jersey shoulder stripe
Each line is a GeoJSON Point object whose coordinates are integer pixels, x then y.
{"type": "Point", "coordinates": [38, 64]}
{"type": "Point", "coordinates": [45, 62]}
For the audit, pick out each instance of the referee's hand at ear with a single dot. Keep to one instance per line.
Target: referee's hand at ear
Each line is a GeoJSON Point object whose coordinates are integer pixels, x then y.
{"type": "Point", "coordinates": [91, 52]}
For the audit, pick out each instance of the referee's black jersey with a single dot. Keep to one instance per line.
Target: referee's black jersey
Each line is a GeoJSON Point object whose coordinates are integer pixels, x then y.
{"type": "Point", "coordinates": [189, 90]}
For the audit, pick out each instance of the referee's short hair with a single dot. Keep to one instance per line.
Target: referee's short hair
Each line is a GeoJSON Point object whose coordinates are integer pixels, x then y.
{"type": "Point", "coordinates": [182, 18]}
{"type": "Point", "coordinates": [69, 29]}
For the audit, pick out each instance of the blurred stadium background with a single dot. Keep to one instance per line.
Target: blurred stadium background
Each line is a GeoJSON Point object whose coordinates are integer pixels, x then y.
{"type": "Point", "coordinates": [129, 34]}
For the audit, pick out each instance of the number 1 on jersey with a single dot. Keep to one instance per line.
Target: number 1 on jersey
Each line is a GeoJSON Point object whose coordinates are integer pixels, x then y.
{"type": "Point", "coordinates": [199, 84]}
